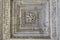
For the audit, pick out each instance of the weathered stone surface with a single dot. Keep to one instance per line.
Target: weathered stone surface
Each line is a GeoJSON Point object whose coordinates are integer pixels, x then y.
{"type": "Point", "coordinates": [1, 19]}
{"type": "Point", "coordinates": [6, 20]}
{"type": "Point", "coordinates": [30, 18]}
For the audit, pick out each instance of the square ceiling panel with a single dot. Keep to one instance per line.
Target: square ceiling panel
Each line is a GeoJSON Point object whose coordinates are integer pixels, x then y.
{"type": "Point", "coordinates": [30, 19]}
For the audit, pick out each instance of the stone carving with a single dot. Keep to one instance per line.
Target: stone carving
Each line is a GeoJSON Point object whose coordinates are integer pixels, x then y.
{"type": "Point", "coordinates": [6, 19]}
{"type": "Point", "coordinates": [30, 19]}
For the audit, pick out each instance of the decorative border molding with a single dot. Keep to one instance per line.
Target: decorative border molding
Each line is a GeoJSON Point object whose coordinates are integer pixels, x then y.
{"type": "Point", "coordinates": [53, 8]}
{"type": "Point", "coordinates": [6, 19]}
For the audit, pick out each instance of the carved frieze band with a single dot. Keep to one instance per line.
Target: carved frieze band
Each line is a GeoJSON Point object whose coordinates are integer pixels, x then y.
{"type": "Point", "coordinates": [53, 16]}
{"type": "Point", "coordinates": [6, 19]}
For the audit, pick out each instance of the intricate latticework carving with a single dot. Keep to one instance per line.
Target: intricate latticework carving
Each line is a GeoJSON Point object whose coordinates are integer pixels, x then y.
{"type": "Point", "coordinates": [30, 19]}
{"type": "Point", "coordinates": [6, 19]}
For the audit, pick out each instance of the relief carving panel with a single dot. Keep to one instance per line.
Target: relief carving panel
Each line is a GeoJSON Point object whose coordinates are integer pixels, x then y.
{"type": "Point", "coordinates": [30, 19]}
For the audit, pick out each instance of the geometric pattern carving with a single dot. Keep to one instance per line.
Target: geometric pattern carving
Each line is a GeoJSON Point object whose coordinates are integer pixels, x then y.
{"type": "Point", "coordinates": [30, 19]}
{"type": "Point", "coordinates": [6, 20]}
